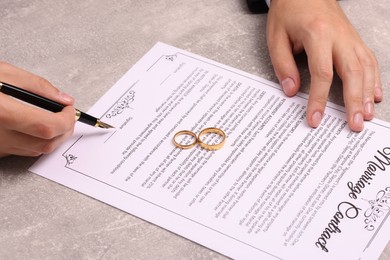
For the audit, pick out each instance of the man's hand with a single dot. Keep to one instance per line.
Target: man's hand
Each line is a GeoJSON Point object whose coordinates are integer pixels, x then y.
{"type": "Point", "coordinates": [27, 130]}
{"type": "Point", "coordinates": [321, 29]}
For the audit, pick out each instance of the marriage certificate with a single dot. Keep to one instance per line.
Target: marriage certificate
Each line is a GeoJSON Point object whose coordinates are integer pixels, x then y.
{"type": "Point", "coordinates": [277, 189]}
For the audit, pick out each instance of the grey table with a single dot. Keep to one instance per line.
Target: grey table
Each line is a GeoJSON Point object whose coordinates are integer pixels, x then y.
{"type": "Point", "coordinates": [83, 48]}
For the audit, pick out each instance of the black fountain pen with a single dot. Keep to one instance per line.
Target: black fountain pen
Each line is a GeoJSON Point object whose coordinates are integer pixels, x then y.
{"type": "Point", "coordinates": [48, 104]}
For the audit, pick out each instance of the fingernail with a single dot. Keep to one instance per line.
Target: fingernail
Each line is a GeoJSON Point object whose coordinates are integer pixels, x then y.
{"type": "Point", "coordinates": [66, 97]}
{"type": "Point", "coordinates": [316, 119]}
{"type": "Point", "coordinates": [369, 108]}
{"type": "Point", "coordinates": [377, 91]}
{"type": "Point", "coordinates": [288, 86]}
{"type": "Point", "coordinates": [358, 119]}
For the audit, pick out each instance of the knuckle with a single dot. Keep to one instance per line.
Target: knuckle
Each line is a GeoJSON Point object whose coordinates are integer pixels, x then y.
{"type": "Point", "coordinates": [369, 94]}
{"type": "Point", "coordinates": [353, 71]}
{"type": "Point", "coordinates": [48, 147]}
{"type": "Point", "coordinates": [45, 131]}
{"type": "Point", "coordinates": [368, 61]}
{"type": "Point", "coordinates": [318, 28]}
{"type": "Point", "coordinates": [41, 82]}
{"type": "Point", "coordinates": [324, 73]}
{"type": "Point", "coordinates": [318, 25]}
{"type": "Point", "coordinates": [319, 101]}
{"type": "Point", "coordinates": [355, 101]}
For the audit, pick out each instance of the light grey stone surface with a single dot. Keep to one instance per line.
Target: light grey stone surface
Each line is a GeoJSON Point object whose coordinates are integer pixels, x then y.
{"type": "Point", "coordinates": [83, 48]}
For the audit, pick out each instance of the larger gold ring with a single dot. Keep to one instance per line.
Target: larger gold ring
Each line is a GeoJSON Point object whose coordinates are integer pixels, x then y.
{"type": "Point", "coordinates": [185, 146]}
{"type": "Point", "coordinates": [212, 130]}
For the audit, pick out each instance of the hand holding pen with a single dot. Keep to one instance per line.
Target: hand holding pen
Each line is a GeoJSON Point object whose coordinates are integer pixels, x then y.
{"type": "Point", "coordinates": [27, 130]}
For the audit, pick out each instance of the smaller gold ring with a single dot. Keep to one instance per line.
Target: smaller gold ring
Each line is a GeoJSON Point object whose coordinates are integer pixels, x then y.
{"type": "Point", "coordinates": [212, 147]}
{"type": "Point", "coordinates": [185, 146]}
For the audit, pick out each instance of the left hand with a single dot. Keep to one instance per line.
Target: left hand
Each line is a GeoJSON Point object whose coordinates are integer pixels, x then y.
{"type": "Point", "coordinates": [321, 29]}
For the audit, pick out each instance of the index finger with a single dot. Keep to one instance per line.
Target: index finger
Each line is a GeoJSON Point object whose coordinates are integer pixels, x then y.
{"type": "Point", "coordinates": [31, 82]}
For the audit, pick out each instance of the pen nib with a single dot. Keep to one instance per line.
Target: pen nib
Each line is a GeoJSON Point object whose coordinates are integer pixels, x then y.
{"type": "Point", "coordinates": [103, 125]}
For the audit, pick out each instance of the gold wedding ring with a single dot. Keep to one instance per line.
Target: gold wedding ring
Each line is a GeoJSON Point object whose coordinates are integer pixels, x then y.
{"type": "Point", "coordinates": [212, 130]}
{"type": "Point", "coordinates": [188, 133]}
{"type": "Point", "coordinates": [198, 139]}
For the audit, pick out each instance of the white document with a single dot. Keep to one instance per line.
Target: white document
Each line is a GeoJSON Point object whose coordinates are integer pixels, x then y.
{"type": "Point", "coordinates": [278, 189]}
